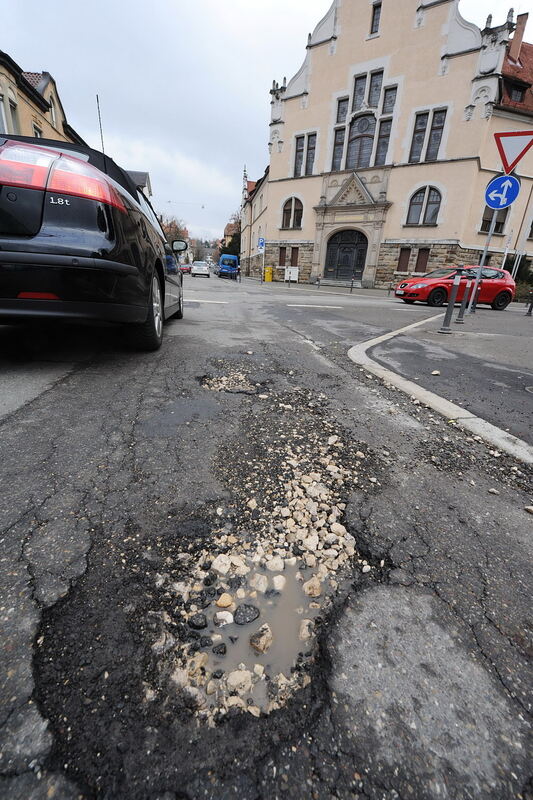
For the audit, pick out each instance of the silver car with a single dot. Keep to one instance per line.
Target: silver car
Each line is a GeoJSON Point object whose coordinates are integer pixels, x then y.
{"type": "Point", "coordinates": [200, 268]}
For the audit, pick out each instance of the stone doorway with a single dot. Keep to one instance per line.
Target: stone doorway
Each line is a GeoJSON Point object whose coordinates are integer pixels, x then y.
{"type": "Point", "coordinates": [346, 256]}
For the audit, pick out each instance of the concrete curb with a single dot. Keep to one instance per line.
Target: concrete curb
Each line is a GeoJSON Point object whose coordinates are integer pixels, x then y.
{"type": "Point", "coordinates": [495, 436]}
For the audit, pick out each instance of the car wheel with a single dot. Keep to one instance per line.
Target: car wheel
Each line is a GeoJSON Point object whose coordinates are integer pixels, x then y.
{"type": "Point", "coordinates": [179, 313]}
{"type": "Point", "coordinates": [149, 335]}
{"type": "Point", "coordinates": [409, 302]}
{"type": "Point", "coordinates": [501, 301]}
{"type": "Point", "coordinates": [437, 297]}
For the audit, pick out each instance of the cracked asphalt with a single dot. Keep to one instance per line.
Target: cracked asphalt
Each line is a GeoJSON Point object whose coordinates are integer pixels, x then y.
{"type": "Point", "coordinates": [111, 474]}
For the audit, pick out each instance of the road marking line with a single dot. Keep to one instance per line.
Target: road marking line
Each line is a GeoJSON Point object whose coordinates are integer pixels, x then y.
{"type": "Point", "coordinates": [313, 305]}
{"type": "Point", "coordinates": [480, 427]}
{"type": "Point", "coordinates": [217, 302]}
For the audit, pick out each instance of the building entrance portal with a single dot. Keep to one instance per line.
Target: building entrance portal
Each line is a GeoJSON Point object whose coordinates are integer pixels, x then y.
{"type": "Point", "coordinates": [346, 256]}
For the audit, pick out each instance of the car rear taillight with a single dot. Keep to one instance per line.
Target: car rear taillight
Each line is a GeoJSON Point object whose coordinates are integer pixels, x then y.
{"type": "Point", "coordinates": [34, 167]}
{"type": "Point", "coordinates": [37, 296]}
{"type": "Point", "coordinates": [74, 177]}
{"type": "Point", "coordinates": [26, 167]}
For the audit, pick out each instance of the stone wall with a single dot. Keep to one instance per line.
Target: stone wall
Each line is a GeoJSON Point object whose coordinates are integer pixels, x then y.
{"type": "Point", "coordinates": [252, 266]}
{"type": "Point", "coordinates": [441, 255]}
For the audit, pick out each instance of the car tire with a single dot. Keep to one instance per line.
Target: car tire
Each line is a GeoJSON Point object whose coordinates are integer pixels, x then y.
{"type": "Point", "coordinates": [179, 313]}
{"type": "Point", "coordinates": [437, 297]}
{"type": "Point", "coordinates": [409, 302]}
{"type": "Point", "coordinates": [148, 336]}
{"type": "Point", "coordinates": [501, 301]}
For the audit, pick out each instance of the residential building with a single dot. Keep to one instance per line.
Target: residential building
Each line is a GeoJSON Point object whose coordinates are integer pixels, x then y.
{"type": "Point", "coordinates": [381, 146]}
{"type": "Point", "coordinates": [30, 104]}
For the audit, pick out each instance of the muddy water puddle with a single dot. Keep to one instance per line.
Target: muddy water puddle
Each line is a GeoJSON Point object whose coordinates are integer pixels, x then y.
{"type": "Point", "coordinates": [288, 614]}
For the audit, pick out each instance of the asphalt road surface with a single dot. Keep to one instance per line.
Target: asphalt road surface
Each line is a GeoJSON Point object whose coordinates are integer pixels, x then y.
{"type": "Point", "coordinates": [124, 480]}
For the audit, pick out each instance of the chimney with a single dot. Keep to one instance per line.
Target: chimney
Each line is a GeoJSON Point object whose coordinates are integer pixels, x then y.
{"type": "Point", "coordinates": [516, 42]}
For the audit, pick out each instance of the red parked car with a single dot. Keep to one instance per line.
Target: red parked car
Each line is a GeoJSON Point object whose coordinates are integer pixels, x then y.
{"type": "Point", "coordinates": [497, 288]}
{"type": "Point", "coordinates": [185, 268]}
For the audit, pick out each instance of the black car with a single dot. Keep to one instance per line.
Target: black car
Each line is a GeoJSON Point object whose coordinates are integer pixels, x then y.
{"type": "Point", "coordinates": [79, 241]}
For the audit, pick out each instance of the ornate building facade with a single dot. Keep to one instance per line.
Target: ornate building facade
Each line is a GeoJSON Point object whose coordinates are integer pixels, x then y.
{"type": "Point", "coordinates": [381, 145]}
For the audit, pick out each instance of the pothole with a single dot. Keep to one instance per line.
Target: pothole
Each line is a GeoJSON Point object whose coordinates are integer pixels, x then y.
{"type": "Point", "coordinates": [242, 631]}
{"type": "Point", "coordinates": [235, 381]}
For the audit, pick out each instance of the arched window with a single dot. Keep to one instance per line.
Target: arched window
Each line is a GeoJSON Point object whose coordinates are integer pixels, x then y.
{"type": "Point", "coordinates": [53, 116]}
{"type": "Point", "coordinates": [13, 108]}
{"type": "Point", "coordinates": [360, 141]}
{"type": "Point", "coordinates": [424, 206]}
{"type": "Point", "coordinates": [292, 213]}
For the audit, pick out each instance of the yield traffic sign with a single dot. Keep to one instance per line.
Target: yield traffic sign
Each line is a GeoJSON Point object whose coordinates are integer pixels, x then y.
{"type": "Point", "coordinates": [513, 145]}
{"type": "Point", "coordinates": [502, 191]}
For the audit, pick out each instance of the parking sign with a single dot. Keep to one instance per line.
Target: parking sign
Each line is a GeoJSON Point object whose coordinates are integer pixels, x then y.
{"type": "Point", "coordinates": [261, 244]}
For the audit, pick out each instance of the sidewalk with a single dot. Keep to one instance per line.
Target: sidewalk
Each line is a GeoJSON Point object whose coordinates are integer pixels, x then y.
{"type": "Point", "coordinates": [484, 366]}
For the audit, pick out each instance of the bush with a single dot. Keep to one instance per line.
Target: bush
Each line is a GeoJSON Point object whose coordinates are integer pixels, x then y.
{"type": "Point", "coordinates": [523, 291]}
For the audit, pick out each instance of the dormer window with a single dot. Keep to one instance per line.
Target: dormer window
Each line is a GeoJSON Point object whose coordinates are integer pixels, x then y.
{"type": "Point", "coordinates": [516, 93]}
{"type": "Point", "coordinates": [53, 117]}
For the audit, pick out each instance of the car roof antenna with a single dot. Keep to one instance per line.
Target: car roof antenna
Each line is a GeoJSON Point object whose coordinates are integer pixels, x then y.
{"type": "Point", "coordinates": [100, 123]}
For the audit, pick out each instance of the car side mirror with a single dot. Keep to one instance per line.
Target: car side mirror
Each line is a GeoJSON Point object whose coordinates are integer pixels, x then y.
{"type": "Point", "coordinates": [179, 245]}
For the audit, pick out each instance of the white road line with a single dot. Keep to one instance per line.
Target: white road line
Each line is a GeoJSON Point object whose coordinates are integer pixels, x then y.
{"type": "Point", "coordinates": [490, 433]}
{"type": "Point", "coordinates": [314, 305]}
{"type": "Point", "coordinates": [216, 302]}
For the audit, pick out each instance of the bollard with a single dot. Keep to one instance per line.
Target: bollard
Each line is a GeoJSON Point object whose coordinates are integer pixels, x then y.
{"type": "Point", "coordinates": [528, 312]}
{"type": "Point", "coordinates": [318, 282]}
{"type": "Point", "coordinates": [351, 287]}
{"type": "Point", "coordinates": [451, 302]}
{"type": "Point", "coordinates": [460, 316]}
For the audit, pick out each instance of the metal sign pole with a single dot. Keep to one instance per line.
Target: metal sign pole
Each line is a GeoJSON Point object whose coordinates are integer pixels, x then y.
{"type": "Point", "coordinates": [472, 304]}
{"type": "Point", "coordinates": [516, 265]}
{"type": "Point", "coordinates": [460, 316]}
{"type": "Point", "coordinates": [451, 302]}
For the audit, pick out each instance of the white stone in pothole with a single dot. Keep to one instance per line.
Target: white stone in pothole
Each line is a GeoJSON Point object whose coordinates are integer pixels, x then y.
{"type": "Point", "coordinates": [275, 564]}
{"type": "Point", "coordinates": [279, 582]}
{"type": "Point", "coordinates": [338, 529]}
{"type": "Point", "coordinates": [311, 542]}
{"type": "Point", "coordinates": [222, 618]}
{"type": "Point", "coordinates": [221, 564]}
{"type": "Point", "coordinates": [306, 630]}
{"type": "Point", "coordinates": [240, 681]}
{"type": "Point", "coordinates": [312, 587]}
{"type": "Point", "coordinates": [259, 582]}
{"type": "Point", "coordinates": [262, 639]}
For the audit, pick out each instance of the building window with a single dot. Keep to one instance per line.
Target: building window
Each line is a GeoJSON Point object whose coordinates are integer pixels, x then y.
{"type": "Point", "coordinates": [338, 148]}
{"type": "Point", "coordinates": [3, 124]}
{"type": "Point", "coordinates": [389, 100]}
{"type": "Point", "coordinates": [292, 213]}
{"type": "Point", "coordinates": [13, 109]}
{"type": "Point", "coordinates": [282, 256]}
{"type": "Point", "coordinates": [435, 135]}
{"type": "Point", "coordinates": [531, 231]}
{"type": "Point", "coordinates": [360, 142]}
{"type": "Point", "coordinates": [294, 256]}
{"type": "Point", "coordinates": [310, 157]}
{"type": "Point", "coordinates": [376, 16]}
{"type": "Point", "coordinates": [299, 160]}
{"type": "Point", "coordinates": [383, 142]}
{"type": "Point", "coordinates": [419, 134]}
{"type": "Point", "coordinates": [37, 132]}
{"type": "Point", "coordinates": [374, 93]}
{"type": "Point", "coordinates": [359, 93]}
{"type": "Point", "coordinates": [501, 217]}
{"type": "Point", "coordinates": [403, 261]}
{"type": "Point", "coordinates": [53, 112]}
{"type": "Point", "coordinates": [422, 259]}
{"type": "Point", "coordinates": [302, 155]}
{"type": "Point", "coordinates": [342, 110]}
{"type": "Point", "coordinates": [425, 206]}
{"type": "Point", "coordinates": [516, 93]}
{"type": "Point", "coordinates": [434, 138]}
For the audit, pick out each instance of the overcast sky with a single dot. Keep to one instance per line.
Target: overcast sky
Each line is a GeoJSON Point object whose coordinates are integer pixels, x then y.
{"type": "Point", "coordinates": [183, 85]}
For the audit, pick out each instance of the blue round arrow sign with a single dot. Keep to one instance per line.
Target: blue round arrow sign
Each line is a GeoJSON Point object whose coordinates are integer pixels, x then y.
{"type": "Point", "coordinates": [502, 191]}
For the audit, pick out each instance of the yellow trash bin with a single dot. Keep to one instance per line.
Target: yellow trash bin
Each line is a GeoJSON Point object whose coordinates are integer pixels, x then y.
{"type": "Point", "coordinates": [268, 274]}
